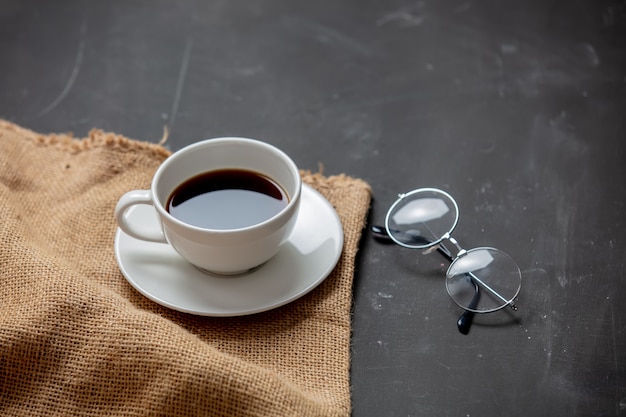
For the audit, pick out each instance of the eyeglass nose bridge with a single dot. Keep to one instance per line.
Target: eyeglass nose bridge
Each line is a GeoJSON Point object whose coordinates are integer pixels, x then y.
{"type": "Point", "coordinates": [461, 251]}
{"type": "Point", "coordinates": [449, 238]}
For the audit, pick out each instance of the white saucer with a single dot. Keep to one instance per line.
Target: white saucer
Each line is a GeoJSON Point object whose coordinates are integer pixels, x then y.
{"type": "Point", "coordinates": [157, 271]}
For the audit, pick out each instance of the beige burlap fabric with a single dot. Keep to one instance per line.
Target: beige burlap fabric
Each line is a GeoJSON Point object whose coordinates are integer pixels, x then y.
{"type": "Point", "coordinates": [77, 339]}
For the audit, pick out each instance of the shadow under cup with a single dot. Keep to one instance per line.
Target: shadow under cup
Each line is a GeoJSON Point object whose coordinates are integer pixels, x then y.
{"type": "Point", "coordinates": [230, 251]}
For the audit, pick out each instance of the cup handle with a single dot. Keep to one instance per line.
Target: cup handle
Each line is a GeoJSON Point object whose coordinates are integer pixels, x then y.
{"type": "Point", "coordinates": [128, 200]}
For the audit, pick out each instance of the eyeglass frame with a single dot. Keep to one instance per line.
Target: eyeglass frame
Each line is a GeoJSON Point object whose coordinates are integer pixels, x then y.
{"type": "Point", "coordinates": [464, 322]}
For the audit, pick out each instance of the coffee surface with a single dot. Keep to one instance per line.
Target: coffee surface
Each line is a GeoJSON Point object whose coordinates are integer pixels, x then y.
{"type": "Point", "coordinates": [227, 199]}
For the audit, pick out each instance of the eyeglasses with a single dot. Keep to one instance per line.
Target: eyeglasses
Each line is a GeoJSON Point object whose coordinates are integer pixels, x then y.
{"type": "Point", "coordinates": [479, 280]}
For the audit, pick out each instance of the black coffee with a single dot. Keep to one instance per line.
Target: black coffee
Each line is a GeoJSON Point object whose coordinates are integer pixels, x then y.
{"type": "Point", "coordinates": [227, 199]}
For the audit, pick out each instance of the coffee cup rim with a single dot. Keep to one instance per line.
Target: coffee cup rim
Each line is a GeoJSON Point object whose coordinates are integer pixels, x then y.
{"type": "Point", "coordinates": [293, 200]}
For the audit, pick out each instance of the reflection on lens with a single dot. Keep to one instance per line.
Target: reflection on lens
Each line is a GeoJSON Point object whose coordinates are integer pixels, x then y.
{"type": "Point", "coordinates": [420, 210]}
{"type": "Point", "coordinates": [479, 259]}
{"type": "Point", "coordinates": [421, 218]}
{"type": "Point", "coordinates": [493, 272]}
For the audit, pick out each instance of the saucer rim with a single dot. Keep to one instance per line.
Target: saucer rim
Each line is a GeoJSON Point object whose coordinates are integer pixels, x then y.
{"type": "Point", "coordinates": [311, 283]}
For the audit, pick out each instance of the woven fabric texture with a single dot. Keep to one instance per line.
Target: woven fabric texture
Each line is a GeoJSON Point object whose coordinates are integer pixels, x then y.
{"type": "Point", "coordinates": [77, 339]}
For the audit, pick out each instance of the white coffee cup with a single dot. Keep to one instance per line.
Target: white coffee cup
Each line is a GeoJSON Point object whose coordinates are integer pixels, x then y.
{"type": "Point", "coordinates": [219, 251]}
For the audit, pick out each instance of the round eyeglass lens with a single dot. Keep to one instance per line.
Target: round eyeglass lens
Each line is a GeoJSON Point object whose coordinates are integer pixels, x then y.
{"type": "Point", "coordinates": [483, 280]}
{"type": "Point", "coordinates": [421, 218]}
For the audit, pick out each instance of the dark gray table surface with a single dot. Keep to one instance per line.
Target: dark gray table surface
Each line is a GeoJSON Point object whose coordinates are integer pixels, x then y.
{"type": "Point", "coordinates": [517, 108]}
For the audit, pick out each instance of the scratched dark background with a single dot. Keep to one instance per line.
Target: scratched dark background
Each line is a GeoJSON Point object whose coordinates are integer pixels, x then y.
{"type": "Point", "coordinates": [517, 108]}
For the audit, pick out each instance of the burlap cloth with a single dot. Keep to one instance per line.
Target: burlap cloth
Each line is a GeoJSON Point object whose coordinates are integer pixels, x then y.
{"type": "Point", "coordinates": [77, 339]}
